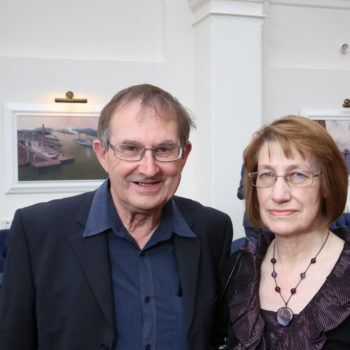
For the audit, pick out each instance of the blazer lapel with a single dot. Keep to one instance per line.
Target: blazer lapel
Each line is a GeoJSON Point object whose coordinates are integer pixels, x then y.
{"type": "Point", "coordinates": [187, 252]}
{"type": "Point", "coordinates": [93, 255]}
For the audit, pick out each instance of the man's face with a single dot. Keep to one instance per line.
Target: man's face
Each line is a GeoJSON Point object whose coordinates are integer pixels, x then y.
{"type": "Point", "coordinates": [142, 186]}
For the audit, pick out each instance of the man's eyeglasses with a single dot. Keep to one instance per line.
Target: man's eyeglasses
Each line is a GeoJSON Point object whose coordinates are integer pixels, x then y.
{"type": "Point", "coordinates": [293, 179]}
{"type": "Point", "coordinates": [134, 153]}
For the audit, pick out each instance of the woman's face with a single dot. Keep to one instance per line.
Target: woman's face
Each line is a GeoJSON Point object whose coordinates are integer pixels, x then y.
{"type": "Point", "coordinates": [284, 209]}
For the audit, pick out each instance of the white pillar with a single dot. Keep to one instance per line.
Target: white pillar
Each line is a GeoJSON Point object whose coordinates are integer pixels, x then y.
{"type": "Point", "coordinates": [228, 97]}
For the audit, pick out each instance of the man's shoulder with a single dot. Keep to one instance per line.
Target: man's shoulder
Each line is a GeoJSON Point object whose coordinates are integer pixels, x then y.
{"type": "Point", "coordinates": [194, 207]}
{"type": "Point", "coordinates": [63, 205]}
{"type": "Point", "coordinates": [54, 219]}
{"type": "Point", "coordinates": [212, 226]}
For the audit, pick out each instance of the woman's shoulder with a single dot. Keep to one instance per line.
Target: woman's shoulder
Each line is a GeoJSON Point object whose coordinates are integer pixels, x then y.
{"type": "Point", "coordinates": [333, 299]}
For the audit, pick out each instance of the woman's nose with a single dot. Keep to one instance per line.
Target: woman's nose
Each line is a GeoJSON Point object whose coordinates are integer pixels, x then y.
{"type": "Point", "coordinates": [281, 191]}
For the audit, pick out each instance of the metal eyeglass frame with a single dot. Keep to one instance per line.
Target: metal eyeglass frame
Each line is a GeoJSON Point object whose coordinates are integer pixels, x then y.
{"type": "Point", "coordinates": [144, 149]}
{"type": "Point", "coordinates": [285, 179]}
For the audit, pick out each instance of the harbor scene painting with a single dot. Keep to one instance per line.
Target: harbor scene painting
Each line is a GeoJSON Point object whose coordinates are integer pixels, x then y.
{"type": "Point", "coordinates": [340, 131]}
{"type": "Point", "coordinates": [54, 148]}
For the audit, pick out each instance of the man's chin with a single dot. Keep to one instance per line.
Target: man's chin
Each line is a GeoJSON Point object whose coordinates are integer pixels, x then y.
{"type": "Point", "coordinates": [148, 204]}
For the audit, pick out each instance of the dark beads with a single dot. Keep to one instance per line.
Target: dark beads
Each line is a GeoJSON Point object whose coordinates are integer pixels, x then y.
{"type": "Point", "coordinates": [285, 314]}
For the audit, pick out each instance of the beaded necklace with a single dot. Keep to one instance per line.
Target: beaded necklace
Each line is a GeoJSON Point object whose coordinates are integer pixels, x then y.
{"type": "Point", "coordinates": [285, 314]}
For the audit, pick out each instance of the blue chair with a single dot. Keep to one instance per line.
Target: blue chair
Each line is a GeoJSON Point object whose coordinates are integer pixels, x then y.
{"type": "Point", "coordinates": [4, 237]}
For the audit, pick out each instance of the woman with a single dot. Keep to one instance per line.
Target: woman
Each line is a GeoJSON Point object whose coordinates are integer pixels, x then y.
{"type": "Point", "coordinates": [292, 290]}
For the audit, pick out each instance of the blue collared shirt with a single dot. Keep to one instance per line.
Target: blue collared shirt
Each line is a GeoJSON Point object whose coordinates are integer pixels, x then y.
{"type": "Point", "coordinates": [149, 310]}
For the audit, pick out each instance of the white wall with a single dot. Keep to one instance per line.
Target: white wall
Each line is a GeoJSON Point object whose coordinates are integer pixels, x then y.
{"type": "Point", "coordinates": [303, 67]}
{"type": "Point", "coordinates": [228, 97]}
{"type": "Point", "coordinates": [97, 48]}
{"type": "Point", "coordinates": [94, 49]}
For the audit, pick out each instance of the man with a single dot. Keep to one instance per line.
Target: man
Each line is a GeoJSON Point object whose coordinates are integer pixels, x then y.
{"type": "Point", "coordinates": [129, 266]}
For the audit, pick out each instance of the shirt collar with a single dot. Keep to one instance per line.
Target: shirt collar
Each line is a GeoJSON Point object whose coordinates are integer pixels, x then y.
{"type": "Point", "coordinates": [172, 222]}
{"type": "Point", "coordinates": [181, 227]}
{"type": "Point", "coordinates": [99, 219]}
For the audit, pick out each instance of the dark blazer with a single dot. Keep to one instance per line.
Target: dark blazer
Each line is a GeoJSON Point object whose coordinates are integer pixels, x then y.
{"type": "Point", "coordinates": [57, 291]}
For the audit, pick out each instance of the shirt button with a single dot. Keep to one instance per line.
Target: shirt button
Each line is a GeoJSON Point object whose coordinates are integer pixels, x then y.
{"type": "Point", "coordinates": [147, 300]}
{"type": "Point", "coordinates": [148, 347]}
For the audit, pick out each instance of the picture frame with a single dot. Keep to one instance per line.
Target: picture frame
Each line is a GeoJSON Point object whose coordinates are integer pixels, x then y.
{"type": "Point", "coordinates": [337, 123]}
{"type": "Point", "coordinates": [48, 148]}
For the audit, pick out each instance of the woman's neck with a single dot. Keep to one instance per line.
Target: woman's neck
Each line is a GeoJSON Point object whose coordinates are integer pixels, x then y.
{"type": "Point", "coordinates": [291, 250]}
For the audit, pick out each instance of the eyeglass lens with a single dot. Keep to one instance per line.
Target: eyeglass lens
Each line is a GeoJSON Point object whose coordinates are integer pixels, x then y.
{"type": "Point", "coordinates": [136, 152]}
{"type": "Point", "coordinates": [294, 179]}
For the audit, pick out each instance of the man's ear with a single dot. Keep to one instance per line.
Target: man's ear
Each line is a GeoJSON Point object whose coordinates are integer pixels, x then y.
{"type": "Point", "coordinates": [101, 154]}
{"type": "Point", "coordinates": [186, 152]}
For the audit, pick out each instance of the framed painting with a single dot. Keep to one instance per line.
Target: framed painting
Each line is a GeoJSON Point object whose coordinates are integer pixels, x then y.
{"type": "Point", "coordinates": [48, 148]}
{"type": "Point", "coordinates": [337, 123]}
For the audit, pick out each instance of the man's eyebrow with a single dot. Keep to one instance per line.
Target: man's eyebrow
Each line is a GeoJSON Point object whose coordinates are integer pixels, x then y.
{"type": "Point", "coordinates": [167, 143]}
{"type": "Point", "coordinates": [131, 142]}
{"type": "Point", "coordinates": [162, 143]}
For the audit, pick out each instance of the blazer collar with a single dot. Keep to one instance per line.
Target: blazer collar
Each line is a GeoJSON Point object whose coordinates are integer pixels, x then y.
{"type": "Point", "coordinates": [187, 253]}
{"type": "Point", "coordinates": [93, 253]}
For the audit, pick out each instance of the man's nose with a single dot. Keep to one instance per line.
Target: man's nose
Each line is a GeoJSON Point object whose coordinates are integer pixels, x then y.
{"type": "Point", "coordinates": [148, 164]}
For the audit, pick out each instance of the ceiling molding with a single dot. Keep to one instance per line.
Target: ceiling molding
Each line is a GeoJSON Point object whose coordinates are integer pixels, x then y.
{"type": "Point", "coordinates": [331, 4]}
{"type": "Point", "coordinates": [238, 8]}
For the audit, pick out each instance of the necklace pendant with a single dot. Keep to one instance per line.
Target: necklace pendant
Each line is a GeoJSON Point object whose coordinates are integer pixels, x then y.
{"type": "Point", "coordinates": [284, 316]}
